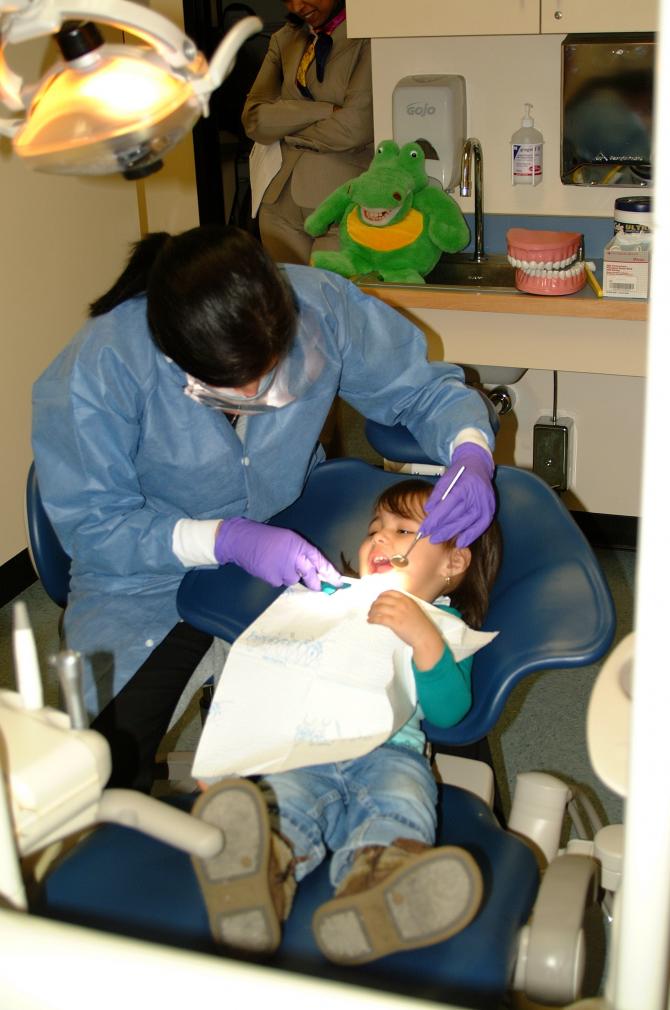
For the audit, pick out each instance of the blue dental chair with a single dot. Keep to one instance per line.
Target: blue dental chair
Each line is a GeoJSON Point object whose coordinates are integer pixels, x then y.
{"type": "Point", "coordinates": [49, 559]}
{"type": "Point", "coordinates": [552, 609]}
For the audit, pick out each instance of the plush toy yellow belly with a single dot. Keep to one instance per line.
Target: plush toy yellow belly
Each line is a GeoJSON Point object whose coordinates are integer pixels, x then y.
{"type": "Point", "coordinates": [386, 238]}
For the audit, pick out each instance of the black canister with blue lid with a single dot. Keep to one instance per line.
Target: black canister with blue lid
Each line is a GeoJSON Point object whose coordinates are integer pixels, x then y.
{"type": "Point", "coordinates": [632, 215]}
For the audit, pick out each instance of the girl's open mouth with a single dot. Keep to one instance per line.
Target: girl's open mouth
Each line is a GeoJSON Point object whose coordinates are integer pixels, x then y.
{"type": "Point", "coordinates": [380, 563]}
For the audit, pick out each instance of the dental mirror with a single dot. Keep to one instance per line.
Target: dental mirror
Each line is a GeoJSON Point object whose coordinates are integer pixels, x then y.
{"type": "Point", "coordinates": [400, 560]}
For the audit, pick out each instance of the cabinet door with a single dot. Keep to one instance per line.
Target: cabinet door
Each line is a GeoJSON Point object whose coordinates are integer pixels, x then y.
{"type": "Point", "coordinates": [563, 16]}
{"type": "Point", "coordinates": [383, 19]}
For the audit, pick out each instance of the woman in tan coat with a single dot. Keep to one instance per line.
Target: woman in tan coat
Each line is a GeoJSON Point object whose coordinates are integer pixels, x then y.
{"type": "Point", "coordinates": [313, 94]}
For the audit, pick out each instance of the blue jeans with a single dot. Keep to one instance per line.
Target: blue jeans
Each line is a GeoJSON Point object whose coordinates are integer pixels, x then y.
{"type": "Point", "coordinates": [373, 800]}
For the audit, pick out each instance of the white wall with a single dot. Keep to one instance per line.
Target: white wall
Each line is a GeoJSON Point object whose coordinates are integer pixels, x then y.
{"type": "Point", "coordinates": [607, 411]}
{"type": "Point", "coordinates": [61, 241]}
{"type": "Point", "coordinates": [168, 201]}
{"type": "Point", "coordinates": [501, 74]}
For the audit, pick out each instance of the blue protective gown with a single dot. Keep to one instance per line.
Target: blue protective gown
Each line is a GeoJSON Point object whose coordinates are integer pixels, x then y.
{"type": "Point", "coordinates": [122, 454]}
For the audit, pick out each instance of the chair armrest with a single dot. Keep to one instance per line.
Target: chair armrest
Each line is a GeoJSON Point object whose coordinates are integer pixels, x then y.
{"type": "Point", "coordinates": [161, 821]}
{"type": "Point", "coordinates": [550, 966]}
{"type": "Point", "coordinates": [464, 773]}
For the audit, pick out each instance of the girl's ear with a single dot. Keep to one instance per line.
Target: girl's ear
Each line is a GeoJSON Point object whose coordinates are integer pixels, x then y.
{"type": "Point", "coordinates": [456, 562]}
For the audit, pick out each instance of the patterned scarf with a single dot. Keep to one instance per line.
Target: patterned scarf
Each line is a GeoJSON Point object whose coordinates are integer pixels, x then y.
{"type": "Point", "coordinates": [318, 49]}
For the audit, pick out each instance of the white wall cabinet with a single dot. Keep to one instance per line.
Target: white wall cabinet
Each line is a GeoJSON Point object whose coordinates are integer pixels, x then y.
{"type": "Point", "coordinates": [558, 17]}
{"type": "Point", "coordinates": [383, 19]}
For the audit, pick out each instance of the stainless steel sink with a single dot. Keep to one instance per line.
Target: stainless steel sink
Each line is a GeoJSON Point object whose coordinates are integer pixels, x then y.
{"type": "Point", "coordinates": [461, 271]}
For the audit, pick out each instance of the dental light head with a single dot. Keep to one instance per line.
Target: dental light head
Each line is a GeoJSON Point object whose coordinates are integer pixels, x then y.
{"type": "Point", "coordinates": [107, 108]}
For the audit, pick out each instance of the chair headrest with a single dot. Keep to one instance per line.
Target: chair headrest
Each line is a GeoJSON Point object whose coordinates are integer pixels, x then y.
{"type": "Point", "coordinates": [396, 442]}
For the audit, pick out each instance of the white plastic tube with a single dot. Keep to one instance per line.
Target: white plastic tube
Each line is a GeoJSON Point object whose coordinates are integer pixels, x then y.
{"type": "Point", "coordinates": [538, 810]}
{"type": "Point", "coordinates": [11, 880]}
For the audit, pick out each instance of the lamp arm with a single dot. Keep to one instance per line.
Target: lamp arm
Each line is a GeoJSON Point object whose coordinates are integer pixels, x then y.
{"type": "Point", "coordinates": [222, 60]}
{"type": "Point", "coordinates": [8, 127]}
{"type": "Point", "coordinates": [45, 17]}
{"type": "Point", "coordinates": [10, 90]}
{"type": "Point", "coordinates": [21, 20]}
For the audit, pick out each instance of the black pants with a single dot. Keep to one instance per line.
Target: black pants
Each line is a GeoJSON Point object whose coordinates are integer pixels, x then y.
{"type": "Point", "coordinates": [135, 721]}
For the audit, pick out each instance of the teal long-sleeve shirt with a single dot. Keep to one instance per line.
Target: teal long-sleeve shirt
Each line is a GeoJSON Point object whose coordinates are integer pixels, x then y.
{"type": "Point", "coordinates": [444, 696]}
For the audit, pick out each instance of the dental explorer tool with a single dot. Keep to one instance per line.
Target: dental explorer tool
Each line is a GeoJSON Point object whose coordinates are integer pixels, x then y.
{"type": "Point", "coordinates": [400, 560]}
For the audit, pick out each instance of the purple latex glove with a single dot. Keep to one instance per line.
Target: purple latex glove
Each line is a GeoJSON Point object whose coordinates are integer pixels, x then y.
{"type": "Point", "coordinates": [468, 508]}
{"type": "Point", "coordinates": [276, 555]}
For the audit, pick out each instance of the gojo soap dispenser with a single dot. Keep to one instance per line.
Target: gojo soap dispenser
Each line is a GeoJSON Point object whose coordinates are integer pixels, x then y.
{"type": "Point", "coordinates": [431, 108]}
{"type": "Point", "coordinates": [527, 152]}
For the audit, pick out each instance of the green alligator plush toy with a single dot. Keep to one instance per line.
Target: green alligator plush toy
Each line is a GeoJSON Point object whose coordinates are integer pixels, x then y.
{"type": "Point", "coordinates": [392, 222]}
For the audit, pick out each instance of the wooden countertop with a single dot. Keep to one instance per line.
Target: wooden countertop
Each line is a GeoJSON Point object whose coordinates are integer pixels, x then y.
{"type": "Point", "coordinates": [584, 304]}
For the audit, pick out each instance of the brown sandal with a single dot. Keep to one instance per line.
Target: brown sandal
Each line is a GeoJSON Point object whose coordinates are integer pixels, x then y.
{"type": "Point", "coordinates": [422, 899]}
{"type": "Point", "coordinates": [235, 883]}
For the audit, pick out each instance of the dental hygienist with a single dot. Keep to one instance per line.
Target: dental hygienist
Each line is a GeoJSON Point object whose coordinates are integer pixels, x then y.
{"type": "Point", "coordinates": [186, 413]}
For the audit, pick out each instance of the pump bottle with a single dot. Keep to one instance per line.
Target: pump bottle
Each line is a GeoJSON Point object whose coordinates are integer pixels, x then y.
{"type": "Point", "coordinates": [527, 145]}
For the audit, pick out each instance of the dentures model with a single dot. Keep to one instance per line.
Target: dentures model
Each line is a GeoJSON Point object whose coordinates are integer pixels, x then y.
{"type": "Point", "coordinates": [546, 261]}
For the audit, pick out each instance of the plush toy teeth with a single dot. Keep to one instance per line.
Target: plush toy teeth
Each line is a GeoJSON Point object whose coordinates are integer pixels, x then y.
{"type": "Point", "coordinates": [546, 261]}
{"type": "Point", "coordinates": [379, 216]}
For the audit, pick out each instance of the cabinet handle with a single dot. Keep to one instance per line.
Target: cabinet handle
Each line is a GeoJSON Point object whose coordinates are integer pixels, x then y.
{"type": "Point", "coordinates": [558, 13]}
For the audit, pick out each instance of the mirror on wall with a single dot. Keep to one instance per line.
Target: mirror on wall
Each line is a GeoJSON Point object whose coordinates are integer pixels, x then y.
{"type": "Point", "coordinates": [606, 114]}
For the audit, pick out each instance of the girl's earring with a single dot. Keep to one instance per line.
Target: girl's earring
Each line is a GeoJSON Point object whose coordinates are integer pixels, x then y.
{"type": "Point", "coordinates": [447, 580]}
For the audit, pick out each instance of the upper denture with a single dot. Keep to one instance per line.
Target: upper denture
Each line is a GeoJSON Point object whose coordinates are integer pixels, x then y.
{"type": "Point", "coordinates": [543, 246]}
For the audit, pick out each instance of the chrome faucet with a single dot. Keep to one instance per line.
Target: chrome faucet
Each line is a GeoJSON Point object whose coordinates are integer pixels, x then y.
{"type": "Point", "coordinates": [472, 153]}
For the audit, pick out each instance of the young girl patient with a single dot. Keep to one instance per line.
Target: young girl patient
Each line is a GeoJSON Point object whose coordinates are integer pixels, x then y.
{"type": "Point", "coordinates": [393, 890]}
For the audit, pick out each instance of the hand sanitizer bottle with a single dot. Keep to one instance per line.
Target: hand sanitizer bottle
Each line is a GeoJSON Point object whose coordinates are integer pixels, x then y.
{"type": "Point", "coordinates": [527, 152]}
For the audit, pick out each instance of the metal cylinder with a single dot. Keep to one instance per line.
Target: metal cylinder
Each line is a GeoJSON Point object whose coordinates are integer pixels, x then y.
{"type": "Point", "coordinates": [502, 399]}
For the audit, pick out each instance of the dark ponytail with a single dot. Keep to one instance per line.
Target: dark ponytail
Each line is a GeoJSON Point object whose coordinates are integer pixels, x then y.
{"type": "Point", "coordinates": [217, 304]}
{"type": "Point", "coordinates": [133, 280]}
{"type": "Point", "coordinates": [471, 596]}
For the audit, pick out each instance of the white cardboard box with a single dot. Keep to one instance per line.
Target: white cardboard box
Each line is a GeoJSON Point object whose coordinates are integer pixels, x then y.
{"type": "Point", "coordinates": [626, 270]}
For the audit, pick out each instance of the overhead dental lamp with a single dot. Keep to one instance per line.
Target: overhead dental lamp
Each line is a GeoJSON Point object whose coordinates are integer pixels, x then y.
{"type": "Point", "coordinates": [107, 108]}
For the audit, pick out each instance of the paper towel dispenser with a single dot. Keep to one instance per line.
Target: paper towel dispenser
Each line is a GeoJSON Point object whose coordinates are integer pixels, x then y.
{"type": "Point", "coordinates": [606, 122]}
{"type": "Point", "coordinates": [431, 108]}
